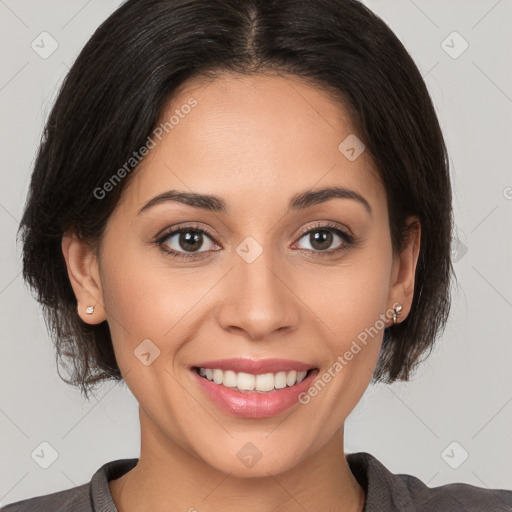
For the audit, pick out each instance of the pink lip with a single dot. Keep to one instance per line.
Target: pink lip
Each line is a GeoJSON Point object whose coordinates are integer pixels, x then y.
{"type": "Point", "coordinates": [254, 404]}
{"type": "Point", "coordinates": [256, 367]}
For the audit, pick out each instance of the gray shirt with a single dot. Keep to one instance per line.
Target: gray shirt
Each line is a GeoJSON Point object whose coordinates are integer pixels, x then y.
{"type": "Point", "coordinates": [385, 492]}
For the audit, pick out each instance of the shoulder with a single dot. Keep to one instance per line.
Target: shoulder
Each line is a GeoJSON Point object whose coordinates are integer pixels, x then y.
{"type": "Point", "coordinates": [456, 497]}
{"type": "Point", "coordinates": [70, 500]}
{"type": "Point", "coordinates": [89, 497]}
{"type": "Point", "coordinates": [406, 493]}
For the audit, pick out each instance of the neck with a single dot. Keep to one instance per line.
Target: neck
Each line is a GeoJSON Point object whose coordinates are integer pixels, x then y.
{"type": "Point", "coordinates": [168, 477]}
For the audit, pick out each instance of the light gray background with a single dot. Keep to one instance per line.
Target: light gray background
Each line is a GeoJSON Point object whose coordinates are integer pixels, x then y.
{"type": "Point", "coordinates": [462, 393]}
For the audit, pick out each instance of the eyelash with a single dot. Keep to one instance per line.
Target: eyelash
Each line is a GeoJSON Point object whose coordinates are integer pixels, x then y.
{"type": "Point", "coordinates": [348, 240]}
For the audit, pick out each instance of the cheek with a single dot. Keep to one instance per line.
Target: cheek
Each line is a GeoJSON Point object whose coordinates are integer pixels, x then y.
{"type": "Point", "coordinates": [147, 298]}
{"type": "Point", "coordinates": [351, 297]}
{"type": "Point", "coordinates": [351, 304]}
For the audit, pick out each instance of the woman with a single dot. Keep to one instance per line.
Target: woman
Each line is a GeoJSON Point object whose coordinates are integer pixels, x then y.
{"type": "Point", "coordinates": [243, 210]}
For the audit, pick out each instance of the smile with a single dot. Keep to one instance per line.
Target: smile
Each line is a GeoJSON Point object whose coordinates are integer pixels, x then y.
{"type": "Point", "coordinates": [253, 389]}
{"type": "Point", "coordinates": [248, 382]}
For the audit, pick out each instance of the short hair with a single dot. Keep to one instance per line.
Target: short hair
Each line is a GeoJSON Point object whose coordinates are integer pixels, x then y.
{"type": "Point", "coordinates": [116, 90]}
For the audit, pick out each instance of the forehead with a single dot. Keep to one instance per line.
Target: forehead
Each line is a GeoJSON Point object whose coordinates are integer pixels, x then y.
{"type": "Point", "coordinates": [248, 133]}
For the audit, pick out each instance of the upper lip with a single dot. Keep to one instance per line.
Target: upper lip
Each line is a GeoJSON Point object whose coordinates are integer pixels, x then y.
{"type": "Point", "coordinates": [255, 367]}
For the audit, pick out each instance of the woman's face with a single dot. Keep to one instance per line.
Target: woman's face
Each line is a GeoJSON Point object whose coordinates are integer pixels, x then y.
{"type": "Point", "coordinates": [271, 277]}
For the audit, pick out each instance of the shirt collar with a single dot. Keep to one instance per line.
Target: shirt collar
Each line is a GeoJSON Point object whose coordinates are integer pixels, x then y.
{"type": "Point", "coordinates": [384, 490]}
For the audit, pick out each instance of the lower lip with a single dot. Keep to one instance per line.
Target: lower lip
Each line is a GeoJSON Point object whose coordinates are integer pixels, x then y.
{"type": "Point", "coordinates": [251, 404]}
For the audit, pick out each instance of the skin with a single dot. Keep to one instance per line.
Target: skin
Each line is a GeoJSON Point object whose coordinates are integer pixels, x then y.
{"type": "Point", "coordinates": [255, 141]}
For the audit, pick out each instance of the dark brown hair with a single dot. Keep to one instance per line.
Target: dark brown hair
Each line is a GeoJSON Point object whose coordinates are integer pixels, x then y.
{"type": "Point", "coordinates": [112, 99]}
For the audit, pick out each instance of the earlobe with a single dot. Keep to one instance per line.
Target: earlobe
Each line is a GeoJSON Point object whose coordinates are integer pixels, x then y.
{"type": "Point", "coordinates": [402, 287]}
{"type": "Point", "coordinates": [83, 273]}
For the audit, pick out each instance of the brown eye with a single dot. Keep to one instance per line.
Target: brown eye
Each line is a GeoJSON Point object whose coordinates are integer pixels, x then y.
{"type": "Point", "coordinates": [321, 238]}
{"type": "Point", "coordinates": [179, 242]}
{"type": "Point", "coordinates": [187, 240]}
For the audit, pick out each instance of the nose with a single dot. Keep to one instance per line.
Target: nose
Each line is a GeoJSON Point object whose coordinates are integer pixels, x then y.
{"type": "Point", "coordinates": [259, 299]}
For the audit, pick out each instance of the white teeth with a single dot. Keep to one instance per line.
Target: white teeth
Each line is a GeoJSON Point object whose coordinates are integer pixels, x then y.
{"type": "Point", "coordinates": [217, 376]}
{"type": "Point", "coordinates": [230, 379]}
{"type": "Point", "coordinates": [245, 381]}
{"type": "Point", "coordinates": [291, 377]}
{"type": "Point", "coordinates": [301, 376]}
{"type": "Point", "coordinates": [265, 382]}
{"type": "Point", "coordinates": [280, 380]}
{"type": "Point", "coordinates": [249, 382]}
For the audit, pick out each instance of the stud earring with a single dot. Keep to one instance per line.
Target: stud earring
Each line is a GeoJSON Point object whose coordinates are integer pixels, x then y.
{"type": "Point", "coordinates": [397, 310]}
{"type": "Point", "coordinates": [89, 310]}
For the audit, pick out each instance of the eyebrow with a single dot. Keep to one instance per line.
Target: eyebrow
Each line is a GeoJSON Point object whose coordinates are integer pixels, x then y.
{"type": "Point", "coordinates": [299, 201]}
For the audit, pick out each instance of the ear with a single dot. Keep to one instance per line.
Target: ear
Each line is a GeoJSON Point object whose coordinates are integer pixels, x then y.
{"type": "Point", "coordinates": [404, 269]}
{"type": "Point", "coordinates": [83, 272]}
